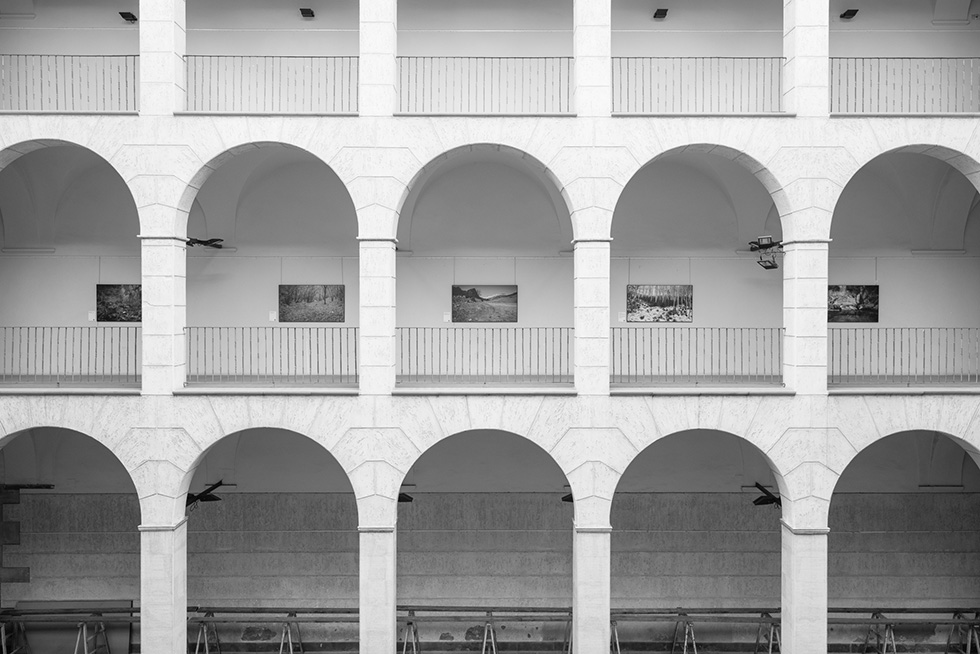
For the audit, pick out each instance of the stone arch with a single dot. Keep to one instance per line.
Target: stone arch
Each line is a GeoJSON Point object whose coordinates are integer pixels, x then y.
{"type": "Point", "coordinates": [550, 181]}
{"type": "Point", "coordinates": [756, 168]}
{"type": "Point", "coordinates": [197, 180]}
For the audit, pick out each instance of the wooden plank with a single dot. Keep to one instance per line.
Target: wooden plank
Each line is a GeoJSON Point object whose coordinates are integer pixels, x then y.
{"type": "Point", "coordinates": [9, 533]}
{"type": "Point", "coordinates": [15, 575]}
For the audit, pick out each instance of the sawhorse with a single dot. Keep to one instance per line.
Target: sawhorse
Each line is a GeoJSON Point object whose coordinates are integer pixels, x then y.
{"type": "Point", "coordinates": [769, 634]}
{"type": "Point", "coordinates": [411, 631]}
{"type": "Point", "coordinates": [614, 645]}
{"type": "Point", "coordinates": [204, 633]}
{"type": "Point", "coordinates": [688, 627]}
{"type": "Point", "coordinates": [85, 644]}
{"type": "Point", "coordinates": [14, 639]}
{"type": "Point", "coordinates": [287, 636]}
{"type": "Point", "coordinates": [964, 639]}
{"type": "Point", "coordinates": [884, 641]}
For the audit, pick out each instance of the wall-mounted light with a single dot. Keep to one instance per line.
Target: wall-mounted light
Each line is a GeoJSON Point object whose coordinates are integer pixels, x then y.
{"type": "Point", "coordinates": [128, 16]}
{"type": "Point", "coordinates": [849, 14]}
{"type": "Point", "coordinates": [660, 14]}
{"type": "Point", "coordinates": [306, 12]}
{"type": "Point", "coordinates": [767, 249]}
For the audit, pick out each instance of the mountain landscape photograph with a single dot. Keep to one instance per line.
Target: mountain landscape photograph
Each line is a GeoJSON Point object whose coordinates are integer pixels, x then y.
{"type": "Point", "coordinates": [484, 303]}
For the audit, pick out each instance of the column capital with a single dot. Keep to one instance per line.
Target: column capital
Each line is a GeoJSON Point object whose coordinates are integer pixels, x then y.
{"type": "Point", "coordinates": [376, 529]}
{"type": "Point", "coordinates": [593, 529]}
{"type": "Point", "coordinates": [576, 241]}
{"type": "Point", "coordinates": [804, 531]}
{"type": "Point", "coordinates": [377, 239]}
{"type": "Point", "coordinates": [807, 241]}
{"type": "Point", "coordinates": [143, 528]}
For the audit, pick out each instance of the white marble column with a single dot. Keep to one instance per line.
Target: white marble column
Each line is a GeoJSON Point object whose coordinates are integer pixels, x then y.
{"type": "Point", "coordinates": [164, 263]}
{"type": "Point", "coordinates": [806, 52]}
{"type": "Point", "coordinates": [163, 44]}
{"type": "Point", "coordinates": [592, 317]}
{"type": "Point", "coordinates": [805, 316]}
{"type": "Point", "coordinates": [591, 589]}
{"type": "Point", "coordinates": [377, 69]}
{"type": "Point", "coordinates": [804, 590]}
{"type": "Point", "coordinates": [163, 588]}
{"type": "Point", "coordinates": [377, 317]}
{"type": "Point", "coordinates": [592, 46]}
{"type": "Point", "coordinates": [378, 629]}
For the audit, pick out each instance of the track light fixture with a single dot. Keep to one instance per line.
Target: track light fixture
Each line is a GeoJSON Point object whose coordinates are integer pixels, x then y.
{"type": "Point", "coordinates": [128, 16]}
{"type": "Point", "coordinates": [209, 243]}
{"type": "Point", "coordinates": [405, 498]}
{"type": "Point", "coordinates": [206, 495]}
{"type": "Point", "coordinates": [306, 12]}
{"type": "Point", "coordinates": [849, 14]}
{"type": "Point", "coordinates": [660, 14]}
{"type": "Point", "coordinates": [767, 249]}
{"type": "Point", "coordinates": [567, 498]}
{"type": "Point", "coordinates": [767, 497]}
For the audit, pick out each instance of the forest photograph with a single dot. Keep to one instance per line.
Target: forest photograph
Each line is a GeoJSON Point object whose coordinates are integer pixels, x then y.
{"type": "Point", "coordinates": [659, 303]}
{"type": "Point", "coordinates": [855, 303]}
{"type": "Point", "coordinates": [118, 302]}
{"type": "Point", "coordinates": [484, 303]}
{"type": "Point", "coordinates": [311, 303]}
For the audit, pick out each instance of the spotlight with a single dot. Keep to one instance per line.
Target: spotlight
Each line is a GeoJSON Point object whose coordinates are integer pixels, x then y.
{"type": "Point", "coordinates": [660, 14]}
{"type": "Point", "coordinates": [306, 12]}
{"type": "Point", "coordinates": [128, 16]}
{"type": "Point", "coordinates": [849, 14]}
{"type": "Point", "coordinates": [767, 249]}
{"type": "Point", "coordinates": [768, 261]}
{"type": "Point", "coordinates": [767, 497]}
{"type": "Point", "coordinates": [405, 498]}
{"type": "Point", "coordinates": [567, 498]}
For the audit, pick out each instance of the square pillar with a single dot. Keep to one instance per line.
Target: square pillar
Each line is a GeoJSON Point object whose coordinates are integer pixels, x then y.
{"type": "Point", "coordinates": [592, 317]}
{"type": "Point", "coordinates": [163, 44]}
{"type": "Point", "coordinates": [591, 589]}
{"type": "Point", "coordinates": [806, 53]}
{"type": "Point", "coordinates": [378, 628]}
{"type": "Point", "coordinates": [804, 590]}
{"type": "Point", "coordinates": [376, 358]}
{"type": "Point", "coordinates": [592, 45]}
{"type": "Point", "coordinates": [805, 316]}
{"type": "Point", "coordinates": [164, 263]}
{"type": "Point", "coordinates": [163, 588]}
{"type": "Point", "coordinates": [377, 67]}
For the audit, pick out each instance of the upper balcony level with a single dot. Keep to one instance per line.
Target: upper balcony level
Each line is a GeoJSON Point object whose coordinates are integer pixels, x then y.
{"type": "Point", "coordinates": [704, 57]}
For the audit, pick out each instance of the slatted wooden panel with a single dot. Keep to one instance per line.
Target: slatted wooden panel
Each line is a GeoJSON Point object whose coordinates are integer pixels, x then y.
{"type": "Point", "coordinates": [872, 85]}
{"type": "Point", "coordinates": [69, 83]}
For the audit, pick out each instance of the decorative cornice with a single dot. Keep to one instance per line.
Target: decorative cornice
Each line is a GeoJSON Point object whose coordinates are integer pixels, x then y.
{"type": "Point", "coordinates": [808, 241]}
{"type": "Point", "coordinates": [163, 527]}
{"type": "Point", "coordinates": [377, 529]}
{"type": "Point", "coordinates": [818, 531]}
{"type": "Point", "coordinates": [593, 530]}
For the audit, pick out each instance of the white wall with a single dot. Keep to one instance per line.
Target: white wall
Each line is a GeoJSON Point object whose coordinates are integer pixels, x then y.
{"type": "Point", "coordinates": [901, 28]}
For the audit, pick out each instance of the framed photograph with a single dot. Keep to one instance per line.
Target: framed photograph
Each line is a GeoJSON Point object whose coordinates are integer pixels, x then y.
{"type": "Point", "coordinates": [118, 302]}
{"type": "Point", "coordinates": [311, 303]}
{"type": "Point", "coordinates": [484, 303]}
{"type": "Point", "coordinates": [659, 303]}
{"type": "Point", "coordinates": [857, 303]}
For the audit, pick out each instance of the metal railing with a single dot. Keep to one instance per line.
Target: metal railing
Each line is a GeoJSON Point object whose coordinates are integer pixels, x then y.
{"type": "Point", "coordinates": [485, 355]}
{"type": "Point", "coordinates": [485, 85]}
{"type": "Point", "coordinates": [696, 356]}
{"type": "Point", "coordinates": [259, 85]}
{"type": "Point", "coordinates": [275, 356]}
{"type": "Point", "coordinates": [58, 356]}
{"type": "Point", "coordinates": [697, 85]}
{"type": "Point", "coordinates": [872, 85]}
{"type": "Point", "coordinates": [69, 83]}
{"type": "Point", "coordinates": [903, 355]}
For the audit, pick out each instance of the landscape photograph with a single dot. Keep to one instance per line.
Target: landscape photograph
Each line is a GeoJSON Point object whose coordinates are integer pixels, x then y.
{"type": "Point", "coordinates": [311, 303]}
{"type": "Point", "coordinates": [118, 302]}
{"type": "Point", "coordinates": [659, 303]}
{"type": "Point", "coordinates": [855, 303]}
{"type": "Point", "coordinates": [484, 303]}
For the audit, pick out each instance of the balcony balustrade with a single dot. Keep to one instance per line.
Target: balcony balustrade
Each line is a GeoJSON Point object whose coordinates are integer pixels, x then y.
{"type": "Point", "coordinates": [265, 85]}
{"type": "Point", "coordinates": [904, 356]}
{"type": "Point", "coordinates": [69, 83]}
{"type": "Point", "coordinates": [485, 355]}
{"type": "Point", "coordinates": [272, 356]}
{"type": "Point", "coordinates": [485, 85]}
{"type": "Point", "coordinates": [875, 85]}
{"type": "Point", "coordinates": [696, 356]}
{"type": "Point", "coordinates": [697, 85]}
{"type": "Point", "coordinates": [71, 356]}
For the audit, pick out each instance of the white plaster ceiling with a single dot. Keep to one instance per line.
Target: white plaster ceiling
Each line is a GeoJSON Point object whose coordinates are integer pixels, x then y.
{"type": "Point", "coordinates": [69, 198]}
{"type": "Point", "coordinates": [692, 203]}
{"type": "Point", "coordinates": [903, 202]}
{"type": "Point", "coordinates": [276, 200]}
{"type": "Point", "coordinates": [484, 202]}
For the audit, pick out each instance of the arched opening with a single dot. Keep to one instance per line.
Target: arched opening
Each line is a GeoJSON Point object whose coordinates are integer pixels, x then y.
{"type": "Point", "coordinates": [70, 301]}
{"type": "Point", "coordinates": [484, 278]}
{"type": "Point", "coordinates": [903, 533]}
{"type": "Point", "coordinates": [70, 541]}
{"type": "Point", "coordinates": [687, 533]}
{"type": "Point", "coordinates": [277, 303]}
{"type": "Point", "coordinates": [690, 304]}
{"type": "Point", "coordinates": [905, 251]}
{"type": "Point", "coordinates": [282, 534]}
{"type": "Point", "coordinates": [487, 528]}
